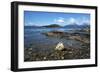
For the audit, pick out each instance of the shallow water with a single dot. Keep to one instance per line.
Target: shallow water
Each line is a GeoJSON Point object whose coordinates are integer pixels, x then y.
{"type": "Point", "coordinates": [39, 42]}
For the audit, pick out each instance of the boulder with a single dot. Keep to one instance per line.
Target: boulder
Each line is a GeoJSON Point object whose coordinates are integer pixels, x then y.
{"type": "Point", "coordinates": [59, 46]}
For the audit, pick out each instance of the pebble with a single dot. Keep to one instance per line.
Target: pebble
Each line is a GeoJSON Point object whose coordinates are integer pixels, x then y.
{"type": "Point", "coordinates": [44, 58]}
{"type": "Point", "coordinates": [62, 57]}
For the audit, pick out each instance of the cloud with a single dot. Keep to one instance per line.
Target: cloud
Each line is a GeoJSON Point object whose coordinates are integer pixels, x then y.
{"type": "Point", "coordinates": [72, 20]}
{"type": "Point", "coordinates": [84, 20]}
{"type": "Point", "coordinates": [59, 20]}
{"type": "Point", "coordinates": [80, 21]}
{"type": "Point", "coordinates": [29, 24]}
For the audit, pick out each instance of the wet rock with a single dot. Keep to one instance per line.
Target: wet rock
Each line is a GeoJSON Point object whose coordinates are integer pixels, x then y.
{"type": "Point", "coordinates": [54, 33]}
{"type": "Point", "coordinates": [30, 49]}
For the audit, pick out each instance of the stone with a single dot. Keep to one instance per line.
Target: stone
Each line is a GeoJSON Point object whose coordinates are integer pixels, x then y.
{"type": "Point", "coordinates": [59, 46]}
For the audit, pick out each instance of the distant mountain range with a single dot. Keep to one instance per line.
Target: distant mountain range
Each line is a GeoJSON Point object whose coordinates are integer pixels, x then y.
{"type": "Point", "coordinates": [47, 26]}
{"type": "Point", "coordinates": [85, 25]}
{"type": "Point", "coordinates": [77, 26]}
{"type": "Point", "coordinates": [32, 26]}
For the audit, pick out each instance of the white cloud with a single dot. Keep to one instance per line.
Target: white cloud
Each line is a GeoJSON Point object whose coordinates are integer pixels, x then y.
{"type": "Point", "coordinates": [59, 20]}
{"type": "Point", "coordinates": [72, 20]}
{"type": "Point", "coordinates": [29, 24]}
{"type": "Point", "coordinates": [77, 21]}
{"type": "Point", "coordinates": [84, 20]}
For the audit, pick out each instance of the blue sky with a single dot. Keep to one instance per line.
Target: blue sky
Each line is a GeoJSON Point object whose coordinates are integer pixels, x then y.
{"type": "Point", "coordinates": [33, 18]}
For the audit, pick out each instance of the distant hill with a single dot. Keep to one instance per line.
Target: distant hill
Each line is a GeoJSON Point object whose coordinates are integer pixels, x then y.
{"type": "Point", "coordinates": [75, 26]}
{"type": "Point", "coordinates": [69, 26]}
{"type": "Point", "coordinates": [47, 26]}
{"type": "Point", "coordinates": [32, 26]}
{"type": "Point", "coordinates": [52, 26]}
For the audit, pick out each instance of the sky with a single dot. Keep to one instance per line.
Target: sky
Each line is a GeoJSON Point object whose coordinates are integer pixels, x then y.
{"type": "Point", "coordinates": [34, 18]}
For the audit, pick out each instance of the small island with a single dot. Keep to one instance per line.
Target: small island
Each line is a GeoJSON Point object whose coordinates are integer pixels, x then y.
{"type": "Point", "coordinates": [52, 26]}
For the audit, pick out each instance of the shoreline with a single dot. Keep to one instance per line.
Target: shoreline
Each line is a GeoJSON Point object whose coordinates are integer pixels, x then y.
{"type": "Point", "coordinates": [69, 52]}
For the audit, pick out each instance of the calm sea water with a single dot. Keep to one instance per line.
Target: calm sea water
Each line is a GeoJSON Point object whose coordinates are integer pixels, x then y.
{"type": "Point", "coordinates": [34, 38]}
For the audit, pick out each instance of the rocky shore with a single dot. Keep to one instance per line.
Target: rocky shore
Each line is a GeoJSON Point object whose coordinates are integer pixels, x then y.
{"type": "Point", "coordinates": [79, 35]}
{"type": "Point", "coordinates": [69, 52]}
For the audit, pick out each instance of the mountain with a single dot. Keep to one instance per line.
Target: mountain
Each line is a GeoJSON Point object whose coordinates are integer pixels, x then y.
{"type": "Point", "coordinates": [32, 26]}
{"type": "Point", "coordinates": [75, 26]}
{"type": "Point", "coordinates": [52, 26]}
{"type": "Point", "coordinates": [71, 26]}
{"type": "Point", "coordinates": [46, 26]}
